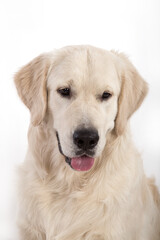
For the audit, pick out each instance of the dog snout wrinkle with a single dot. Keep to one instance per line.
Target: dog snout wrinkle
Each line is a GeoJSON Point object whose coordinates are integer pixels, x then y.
{"type": "Point", "coordinates": [86, 139]}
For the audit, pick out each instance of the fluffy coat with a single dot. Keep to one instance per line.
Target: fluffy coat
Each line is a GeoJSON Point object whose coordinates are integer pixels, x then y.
{"type": "Point", "coordinates": [114, 200]}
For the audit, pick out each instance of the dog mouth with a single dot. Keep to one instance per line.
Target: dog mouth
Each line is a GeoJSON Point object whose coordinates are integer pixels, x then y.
{"type": "Point", "coordinates": [79, 163]}
{"type": "Point", "coordinates": [82, 163]}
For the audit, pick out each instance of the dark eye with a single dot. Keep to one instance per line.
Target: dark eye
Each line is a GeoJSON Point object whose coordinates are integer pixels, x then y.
{"type": "Point", "coordinates": [65, 92]}
{"type": "Point", "coordinates": [106, 95]}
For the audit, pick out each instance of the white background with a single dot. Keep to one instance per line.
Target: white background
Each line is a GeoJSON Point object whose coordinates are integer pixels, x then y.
{"type": "Point", "coordinates": [30, 27]}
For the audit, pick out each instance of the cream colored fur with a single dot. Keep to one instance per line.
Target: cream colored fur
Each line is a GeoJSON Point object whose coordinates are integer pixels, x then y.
{"type": "Point", "coordinates": [112, 201]}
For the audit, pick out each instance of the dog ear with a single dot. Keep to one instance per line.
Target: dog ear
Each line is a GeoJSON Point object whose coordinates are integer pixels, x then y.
{"type": "Point", "coordinates": [133, 91]}
{"type": "Point", "coordinates": [30, 82]}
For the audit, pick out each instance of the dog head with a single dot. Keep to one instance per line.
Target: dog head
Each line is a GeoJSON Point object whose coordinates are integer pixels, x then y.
{"type": "Point", "coordinates": [87, 92]}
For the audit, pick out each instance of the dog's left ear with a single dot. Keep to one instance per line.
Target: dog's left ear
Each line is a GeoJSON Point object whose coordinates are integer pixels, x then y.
{"type": "Point", "coordinates": [30, 82]}
{"type": "Point", "coordinates": [133, 91]}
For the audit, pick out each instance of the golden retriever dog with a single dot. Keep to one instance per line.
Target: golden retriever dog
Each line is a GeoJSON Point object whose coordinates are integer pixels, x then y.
{"type": "Point", "coordinates": [82, 178]}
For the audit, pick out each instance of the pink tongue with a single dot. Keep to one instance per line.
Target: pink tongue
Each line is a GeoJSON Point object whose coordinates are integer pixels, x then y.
{"type": "Point", "coordinates": [83, 163]}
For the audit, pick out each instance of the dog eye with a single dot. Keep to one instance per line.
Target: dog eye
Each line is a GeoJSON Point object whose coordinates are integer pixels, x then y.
{"type": "Point", "coordinates": [106, 95]}
{"type": "Point", "coordinates": [64, 92]}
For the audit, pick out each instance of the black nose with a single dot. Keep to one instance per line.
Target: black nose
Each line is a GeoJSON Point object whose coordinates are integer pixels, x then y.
{"type": "Point", "coordinates": [86, 138]}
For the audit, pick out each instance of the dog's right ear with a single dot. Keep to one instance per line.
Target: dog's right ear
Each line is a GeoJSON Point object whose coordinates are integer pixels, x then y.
{"type": "Point", "coordinates": [30, 82]}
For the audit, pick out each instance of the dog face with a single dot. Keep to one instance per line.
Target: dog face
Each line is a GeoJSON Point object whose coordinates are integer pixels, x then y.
{"type": "Point", "coordinates": [91, 92]}
{"type": "Point", "coordinates": [84, 89]}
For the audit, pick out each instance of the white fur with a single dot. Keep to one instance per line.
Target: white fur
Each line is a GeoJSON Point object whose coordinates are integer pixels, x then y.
{"type": "Point", "coordinates": [114, 200]}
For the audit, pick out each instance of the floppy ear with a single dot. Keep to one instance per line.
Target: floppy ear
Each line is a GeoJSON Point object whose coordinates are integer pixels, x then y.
{"type": "Point", "coordinates": [30, 82]}
{"type": "Point", "coordinates": [133, 91]}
